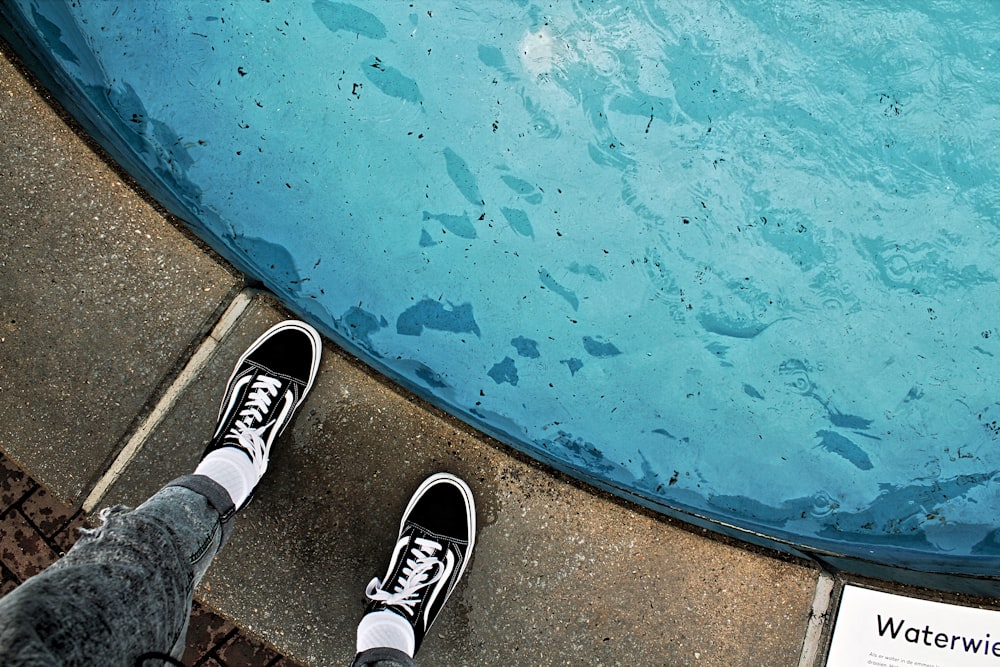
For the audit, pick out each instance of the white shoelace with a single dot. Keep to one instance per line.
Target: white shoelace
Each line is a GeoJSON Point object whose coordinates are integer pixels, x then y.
{"type": "Point", "coordinates": [257, 405]}
{"type": "Point", "coordinates": [416, 575]}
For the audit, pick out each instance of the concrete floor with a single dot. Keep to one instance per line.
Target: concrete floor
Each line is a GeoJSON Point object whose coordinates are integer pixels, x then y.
{"type": "Point", "coordinates": [117, 334]}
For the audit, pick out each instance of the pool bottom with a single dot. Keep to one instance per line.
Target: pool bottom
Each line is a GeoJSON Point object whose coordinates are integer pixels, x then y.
{"type": "Point", "coordinates": [101, 119]}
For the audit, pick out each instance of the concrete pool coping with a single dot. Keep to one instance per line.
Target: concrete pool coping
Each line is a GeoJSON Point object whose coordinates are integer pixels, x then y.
{"type": "Point", "coordinates": [118, 331]}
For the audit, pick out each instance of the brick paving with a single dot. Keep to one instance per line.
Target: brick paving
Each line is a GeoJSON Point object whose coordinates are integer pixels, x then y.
{"type": "Point", "coordinates": [36, 529]}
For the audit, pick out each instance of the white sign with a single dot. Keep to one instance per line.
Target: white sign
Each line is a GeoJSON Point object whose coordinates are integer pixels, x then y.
{"type": "Point", "coordinates": [877, 629]}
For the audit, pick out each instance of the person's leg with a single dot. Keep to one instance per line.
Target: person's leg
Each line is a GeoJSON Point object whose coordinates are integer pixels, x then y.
{"type": "Point", "coordinates": [125, 589]}
{"type": "Point", "coordinates": [383, 657]}
{"type": "Point", "coordinates": [436, 537]}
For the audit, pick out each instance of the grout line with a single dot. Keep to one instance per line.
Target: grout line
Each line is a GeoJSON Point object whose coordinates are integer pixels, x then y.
{"type": "Point", "coordinates": [194, 366]}
{"type": "Point", "coordinates": [818, 616]}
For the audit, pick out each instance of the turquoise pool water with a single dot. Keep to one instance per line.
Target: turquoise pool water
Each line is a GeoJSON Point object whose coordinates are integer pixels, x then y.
{"type": "Point", "coordinates": [736, 261]}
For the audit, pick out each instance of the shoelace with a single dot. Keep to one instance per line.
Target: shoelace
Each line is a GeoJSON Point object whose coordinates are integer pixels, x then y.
{"type": "Point", "coordinates": [258, 402]}
{"type": "Point", "coordinates": [415, 576]}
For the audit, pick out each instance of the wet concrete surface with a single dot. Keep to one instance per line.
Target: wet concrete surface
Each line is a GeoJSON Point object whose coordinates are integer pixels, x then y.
{"type": "Point", "coordinates": [100, 297]}
{"type": "Point", "coordinates": [561, 574]}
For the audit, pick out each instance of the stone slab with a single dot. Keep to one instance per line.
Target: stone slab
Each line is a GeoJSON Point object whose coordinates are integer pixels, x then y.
{"type": "Point", "coordinates": [100, 297]}
{"type": "Point", "coordinates": [561, 574]}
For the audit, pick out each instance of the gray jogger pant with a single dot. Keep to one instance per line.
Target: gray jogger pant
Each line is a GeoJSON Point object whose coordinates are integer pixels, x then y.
{"type": "Point", "coordinates": [125, 588]}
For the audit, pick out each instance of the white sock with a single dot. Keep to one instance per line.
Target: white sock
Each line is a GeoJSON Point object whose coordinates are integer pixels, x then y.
{"type": "Point", "coordinates": [386, 629]}
{"type": "Point", "coordinates": [231, 469]}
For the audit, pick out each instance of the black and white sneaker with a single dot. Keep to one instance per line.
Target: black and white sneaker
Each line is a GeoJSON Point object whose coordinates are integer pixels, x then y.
{"type": "Point", "coordinates": [436, 536]}
{"type": "Point", "coordinates": [267, 386]}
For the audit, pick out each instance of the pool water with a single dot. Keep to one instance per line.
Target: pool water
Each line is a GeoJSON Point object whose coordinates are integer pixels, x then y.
{"type": "Point", "coordinates": [737, 261]}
